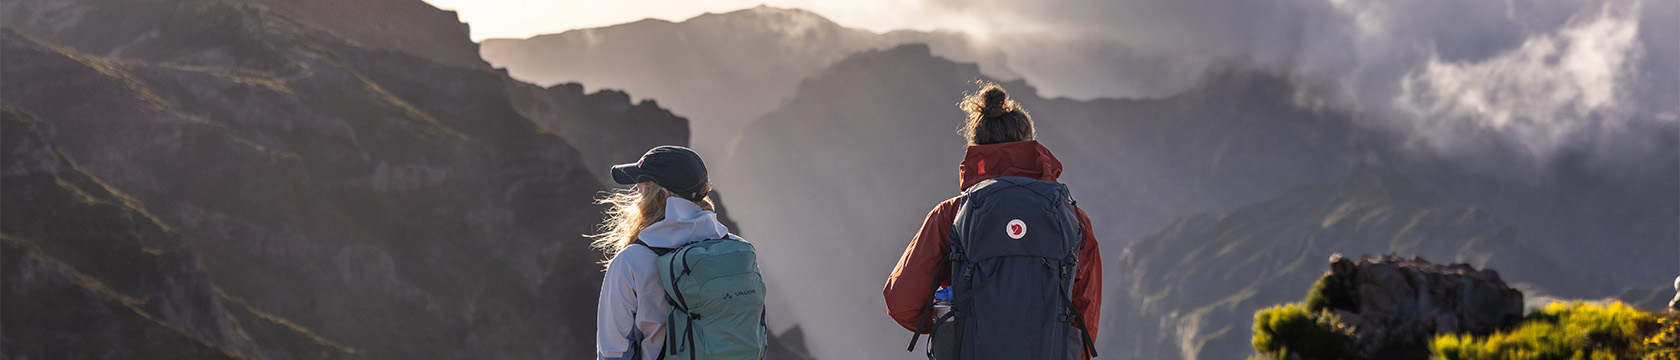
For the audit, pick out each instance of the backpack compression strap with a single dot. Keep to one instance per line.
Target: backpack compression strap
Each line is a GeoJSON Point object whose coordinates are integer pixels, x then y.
{"type": "Point", "coordinates": [659, 251]}
{"type": "Point", "coordinates": [927, 312]}
{"type": "Point", "coordinates": [678, 303]}
{"type": "Point", "coordinates": [1079, 321]}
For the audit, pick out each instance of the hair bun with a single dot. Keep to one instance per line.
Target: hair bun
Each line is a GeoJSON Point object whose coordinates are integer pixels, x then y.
{"type": "Point", "coordinates": [996, 101]}
{"type": "Point", "coordinates": [993, 117]}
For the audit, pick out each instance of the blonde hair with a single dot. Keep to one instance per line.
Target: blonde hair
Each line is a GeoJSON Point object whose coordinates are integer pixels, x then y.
{"type": "Point", "coordinates": [631, 210]}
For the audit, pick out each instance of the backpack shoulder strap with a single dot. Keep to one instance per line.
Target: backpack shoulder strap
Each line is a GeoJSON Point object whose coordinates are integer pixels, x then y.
{"type": "Point", "coordinates": [656, 250]}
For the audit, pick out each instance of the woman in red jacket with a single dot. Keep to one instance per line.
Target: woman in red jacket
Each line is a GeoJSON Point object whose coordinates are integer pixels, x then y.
{"type": "Point", "coordinates": [1000, 143]}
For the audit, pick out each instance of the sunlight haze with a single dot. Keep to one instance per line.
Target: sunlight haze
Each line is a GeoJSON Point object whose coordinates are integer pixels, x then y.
{"type": "Point", "coordinates": [527, 18]}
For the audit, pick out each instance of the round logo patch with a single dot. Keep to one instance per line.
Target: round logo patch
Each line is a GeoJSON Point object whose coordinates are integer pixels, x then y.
{"type": "Point", "coordinates": [1016, 229]}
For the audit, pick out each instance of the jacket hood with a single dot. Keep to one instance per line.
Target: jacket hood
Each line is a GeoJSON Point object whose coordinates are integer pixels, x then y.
{"type": "Point", "coordinates": [1027, 159]}
{"type": "Point", "coordinates": [684, 223]}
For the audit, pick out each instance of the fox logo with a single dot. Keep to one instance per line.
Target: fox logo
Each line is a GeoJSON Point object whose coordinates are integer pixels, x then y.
{"type": "Point", "coordinates": [1016, 229]}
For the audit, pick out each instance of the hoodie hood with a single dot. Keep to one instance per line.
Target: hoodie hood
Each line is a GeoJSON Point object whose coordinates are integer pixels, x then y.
{"type": "Point", "coordinates": [1027, 159]}
{"type": "Point", "coordinates": [684, 223]}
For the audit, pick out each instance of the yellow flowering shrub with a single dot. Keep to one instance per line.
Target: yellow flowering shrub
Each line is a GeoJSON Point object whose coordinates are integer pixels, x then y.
{"type": "Point", "coordinates": [1568, 331]}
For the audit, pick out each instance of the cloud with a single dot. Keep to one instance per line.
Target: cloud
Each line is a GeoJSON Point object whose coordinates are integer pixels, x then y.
{"type": "Point", "coordinates": [1533, 76]}
{"type": "Point", "coordinates": [1085, 65]}
{"type": "Point", "coordinates": [1541, 95]}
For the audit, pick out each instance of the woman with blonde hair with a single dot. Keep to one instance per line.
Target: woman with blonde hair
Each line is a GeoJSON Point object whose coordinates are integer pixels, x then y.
{"type": "Point", "coordinates": [665, 209]}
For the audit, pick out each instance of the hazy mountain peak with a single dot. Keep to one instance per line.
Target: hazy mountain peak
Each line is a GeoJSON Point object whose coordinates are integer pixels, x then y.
{"type": "Point", "coordinates": [772, 18]}
{"type": "Point", "coordinates": [767, 11]}
{"type": "Point", "coordinates": [642, 22]}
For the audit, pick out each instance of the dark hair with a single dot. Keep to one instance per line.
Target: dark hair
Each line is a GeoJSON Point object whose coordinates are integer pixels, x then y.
{"type": "Point", "coordinates": [994, 118]}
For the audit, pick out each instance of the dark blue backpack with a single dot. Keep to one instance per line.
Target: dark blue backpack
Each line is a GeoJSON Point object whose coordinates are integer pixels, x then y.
{"type": "Point", "coordinates": [1014, 253]}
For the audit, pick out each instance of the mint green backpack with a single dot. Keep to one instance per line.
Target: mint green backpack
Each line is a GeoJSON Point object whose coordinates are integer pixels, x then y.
{"type": "Point", "coordinates": [716, 298]}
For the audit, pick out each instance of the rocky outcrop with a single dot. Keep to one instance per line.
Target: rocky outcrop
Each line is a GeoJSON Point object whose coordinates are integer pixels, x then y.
{"type": "Point", "coordinates": [1395, 305]}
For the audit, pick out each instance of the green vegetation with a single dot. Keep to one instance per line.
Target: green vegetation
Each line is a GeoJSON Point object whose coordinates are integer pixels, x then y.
{"type": "Point", "coordinates": [1665, 343]}
{"type": "Point", "coordinates": [1576, 330]}
{"type": "Point", "coordinates": [1329, 293]}
{"type": "Point", "coordinates": [1293, 329]}
{"type": "Point", "coordinates": [1561, 331]}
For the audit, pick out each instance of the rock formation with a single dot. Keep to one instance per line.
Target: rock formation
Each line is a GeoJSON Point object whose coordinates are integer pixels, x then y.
{"type": "Point", "coordinates": [1395, 305]}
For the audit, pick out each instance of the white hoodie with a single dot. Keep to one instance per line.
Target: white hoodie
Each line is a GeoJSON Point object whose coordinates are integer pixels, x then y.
{"type": "Point", "coordinates": [632, 305]}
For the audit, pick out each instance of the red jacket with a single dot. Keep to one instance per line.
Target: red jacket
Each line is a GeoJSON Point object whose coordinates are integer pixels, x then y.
{"type": "Point", "coordinates": [911, 283]}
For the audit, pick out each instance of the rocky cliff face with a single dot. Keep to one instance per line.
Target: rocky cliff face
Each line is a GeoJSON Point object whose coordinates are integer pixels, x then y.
{"type": "Point", "coordinates": [286, 193]}
{"type": "Point", "coordinates": [81, 256]}
{"type": "Point", "coordinates": [1395, 305]}
{"type": "Point", "coordinates": [606, 126]}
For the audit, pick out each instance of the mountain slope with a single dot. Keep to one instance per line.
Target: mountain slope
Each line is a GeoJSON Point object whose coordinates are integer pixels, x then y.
{"type": "Point", "coordinates": [127, 273]}
{"type": "Point", "coordinates": [328, 201]}
{"type": "Point", "coordinates": [346, 200]}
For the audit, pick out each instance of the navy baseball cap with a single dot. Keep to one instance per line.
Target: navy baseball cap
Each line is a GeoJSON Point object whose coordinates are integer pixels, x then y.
{"type": "Point", "coordinates": [674, 168]}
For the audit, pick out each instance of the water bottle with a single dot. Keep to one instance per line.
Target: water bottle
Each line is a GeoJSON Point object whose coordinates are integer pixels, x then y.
{"type": "Point", "coordinates": [941, 302]}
